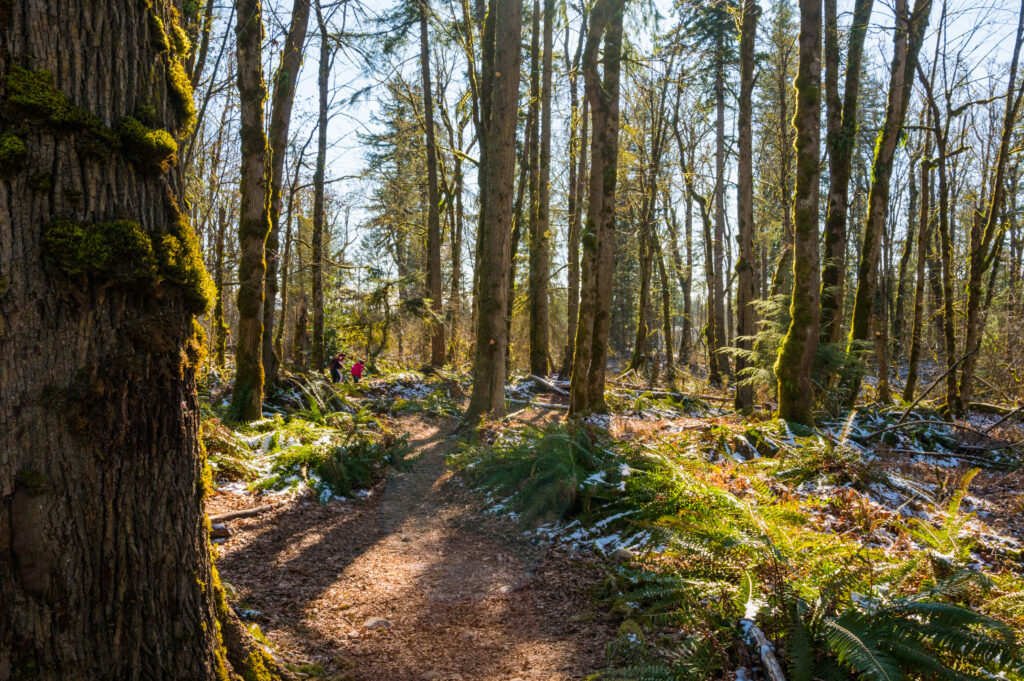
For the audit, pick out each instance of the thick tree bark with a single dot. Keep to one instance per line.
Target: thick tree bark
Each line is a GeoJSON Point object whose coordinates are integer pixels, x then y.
{"type": "Point", "coordinates": [500, 105]}
{"type": "Point", "coordinates": [435, 327]}
{"type": "Point", "coordinates": [840, 142]}
{"type": "Point", "coordinates": [910, 29]}
{"type": "Point", "coordinates": [591, 354]}
{"type": "Point", "coordinates": [746, 316]}
{"type": "Point", "coordinates": [280, 120]}
{"type": "Point", "coordinates": [796, 354]}
{"type": "Point", "coordinates": [105, 572]}
{"type": "Point", "coordinates": [540, 239]}
{"type": "Point", "coordinates": [254, 216]}
{"type": "Point", "coordinates": [317, 241]}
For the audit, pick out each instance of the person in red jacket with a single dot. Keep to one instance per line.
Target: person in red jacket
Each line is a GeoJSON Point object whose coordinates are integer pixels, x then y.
{"type": "Point", "coordinates": [357, 371]}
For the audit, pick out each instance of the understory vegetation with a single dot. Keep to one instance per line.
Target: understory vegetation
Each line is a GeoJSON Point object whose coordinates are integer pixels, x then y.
{"type": "Point", "coordinates": [722, 529]}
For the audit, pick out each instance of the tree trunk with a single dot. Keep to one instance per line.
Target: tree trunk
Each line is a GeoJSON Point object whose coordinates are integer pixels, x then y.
{"type": "Point", "coordinates": [577, 172]}
{"type": "Point", "coordinates": [591, 354]}
{"type": "Point", "coordinates": [254, 216]}
{"type": "Point", "coordinates": [436, 328]}
{"type": "Point", "coordinates": [280, 120]}
{"type": "Point", "coordinates": [500, 100]}
{"type": "Point", "coordinates": [985, 241]}
{"type": "Point", "coordinates": [717, 289]}
{"type": "Point", "coordinates": [666, 311]}
{"type": "Point", "coordinates": [220, 329]}
{"type": "Point", "coordinates": [840, 142]}
{"type": "Point", "coordinates": [540, 244]}
{"type": "Point", "coordinates": [923, 236]}
{"type": "Point", "coordinates": [910, 29]}
{"type": "Point", "coordinates": [317, 265]}
{"type": "Point", "coordinates": [104, 568]}
{"type": "Point", "coordinates": [908, 249]}
{"type": "Point", "coordinates": [796, 354]}
{"type": "Point", "coordinates": [746, 316]}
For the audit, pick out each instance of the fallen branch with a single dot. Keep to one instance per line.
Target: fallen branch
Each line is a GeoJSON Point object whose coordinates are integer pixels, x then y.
{"type": "Point", "coordinates": [1005, 417]}
{"type": "Point", "coordinates": [548, 384]}
{"type": "Point", "coordinates": [244, 513]}
{"type": "Point", "coordinates": [671, 393]}
{"type": "Point", "coordinates": [766, 650]}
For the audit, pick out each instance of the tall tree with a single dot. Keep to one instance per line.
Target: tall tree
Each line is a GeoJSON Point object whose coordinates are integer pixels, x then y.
{"type": "Point", "coordinates": [989, 228]}
{"type": "Point", "coordinates": [105, 570]}
{"type": "Point", "coordinates": [285, 80]}
{"type": "Point", "coordinates": [499, 99]}
{"type": "Point", "coordinates": [254, 215]}
{"type": "Point", "coordinates": [319, 212]}
{"type": "Point", "coordinates": [796, 354]}
{"type": "Point", "coordinates": [578, 129]}
{"type": "Point", "coordinates": [910, 29]}
{"type": "Point", "coordinates": [591, 353]}
{"type": "Point", "coordinates": [540, 240]}
{"type": "Point", "coordinates": [840, 140]}
{"type": "Point", "coordinates": [746, 317]}
{"type": "Point", "coordinates": [436, 328]}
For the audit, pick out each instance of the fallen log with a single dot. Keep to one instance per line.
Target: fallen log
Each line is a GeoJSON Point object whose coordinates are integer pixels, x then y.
{"type": "Point", "coordinates": [765, 649]}
{"type": "Point", "coordinates": [244, 513]}
{"type": "Point", "coordinates": [548, 384]}
{"type": "Point", "coordinates": [672, 393]}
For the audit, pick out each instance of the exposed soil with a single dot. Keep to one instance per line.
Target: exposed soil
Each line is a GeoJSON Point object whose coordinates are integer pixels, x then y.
{"type": "Point", "coordinates": [463, 597]}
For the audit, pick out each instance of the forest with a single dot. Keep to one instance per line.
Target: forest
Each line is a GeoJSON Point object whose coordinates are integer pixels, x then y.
{"type": "Point", "coordinates": [511, 340]}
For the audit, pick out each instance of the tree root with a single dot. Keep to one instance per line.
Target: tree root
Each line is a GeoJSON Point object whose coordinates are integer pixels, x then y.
{"type": "Point", "coordinates": [248, 657]}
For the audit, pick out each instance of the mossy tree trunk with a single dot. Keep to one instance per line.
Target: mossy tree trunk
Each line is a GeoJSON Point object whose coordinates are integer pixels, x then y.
{"type": "Point", "coordinates": [105, 572]}
{"type": "Point", "coordinates": [840, 141]}
{"type": "Point", "coordinates": [316, 358]}
{"type": "Point", "coordinates": [285, 80]}
{"type": "Point", "coordinates": [910, 29]}
{"type": "Point", "coordinates": [591, 353]}
{"type": "Point", "coordinates": [499, 109]}
{"type": "Point", "coordinates": [796, 353]}
{"type": "Point", "coordinates": [435, 327]}
{"type": "Point", "coordinates": [746, 316]}
{"type": "Point", "coordinates": [254, 214]}
{"type": "Point", "coordinates": [719, 340]}
{"type": "Point", "coordinates": [540, 238]}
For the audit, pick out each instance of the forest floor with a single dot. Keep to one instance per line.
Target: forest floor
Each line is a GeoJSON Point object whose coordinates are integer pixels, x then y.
{"type": "Point", "coordinates": [412, 582]}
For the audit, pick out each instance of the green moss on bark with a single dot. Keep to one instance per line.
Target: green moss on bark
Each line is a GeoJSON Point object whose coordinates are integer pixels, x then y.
{"type": "Point", "coordinates": [13, 153]}
{"type": "Point", "coordinates": [150, 148]}
{"type": "Point", "coordinates": [181, 96]}
{"type": "Point", "coordinates": [41, 182]}
{"type": "Point", "coordinates": [118, 251]}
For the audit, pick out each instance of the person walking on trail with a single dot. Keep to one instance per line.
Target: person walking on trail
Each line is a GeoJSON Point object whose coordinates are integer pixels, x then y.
{"type": "Point", "coordinates": [337, 364]}
{"type": "Point", "coordinates": [357, 371]}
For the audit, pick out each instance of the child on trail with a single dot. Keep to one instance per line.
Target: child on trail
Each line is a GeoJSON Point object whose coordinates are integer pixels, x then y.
{"type": "Point", "coordinates": [357, 371]}
{"type": "Point", "coordinates": [337, 364]}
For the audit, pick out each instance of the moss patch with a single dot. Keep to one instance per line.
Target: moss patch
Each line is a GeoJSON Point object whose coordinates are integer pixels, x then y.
{"type": "Point", "coordinates": [181, 96]}
{"type": "Point", "coordinates": [41, 182]}
{"type": "Point", "coordinates": [119, 251]}
{"type": "Point", "coordinates": [150, 148]}
{"type": "Point", "coordinates": [13, 153]}
{"type": "Point", "coordinates": [33, 94]}
{"type": "Point", "coordinates": [182, 261]}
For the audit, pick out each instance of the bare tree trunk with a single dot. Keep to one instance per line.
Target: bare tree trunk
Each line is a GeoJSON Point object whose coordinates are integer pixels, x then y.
{"type": "Point", "coordinates": [435, 327]}
{"type": "Point", "coordinates": [220, 329]}
{"type": "Point", "coordinates": [746, 316]}
{"type": "Point", "coordinates": [500, 100]}
{"type": "Point", "coordinates": [924, 234]}
{"type": "Point", "coordinates": [280, 120]}
{"type": "Point", "coordinates": [908, 249]}
{"type": "Point", "coordinates": [717, 290]}
{"type": "Point", "coordinates": [796, 354]}
{"type": "Point", "coordinates": [540, 241]}
{"type": "Point", "coordinates": [104, 568]}
{"type": "Point", "coordinates": [577, 172]}
{"type": "Point", "coordinates": [254, 216]}
{"type": "Point", "coordinates": [666, 310]}
{"type": "Point", "coordinates": [591, 354]}
{"type": "Point", "coordinates": [910, 29]}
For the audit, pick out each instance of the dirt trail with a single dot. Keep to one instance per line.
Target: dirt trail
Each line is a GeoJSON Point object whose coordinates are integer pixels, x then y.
{"type": "Point", "coordinates": [462, 598]}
